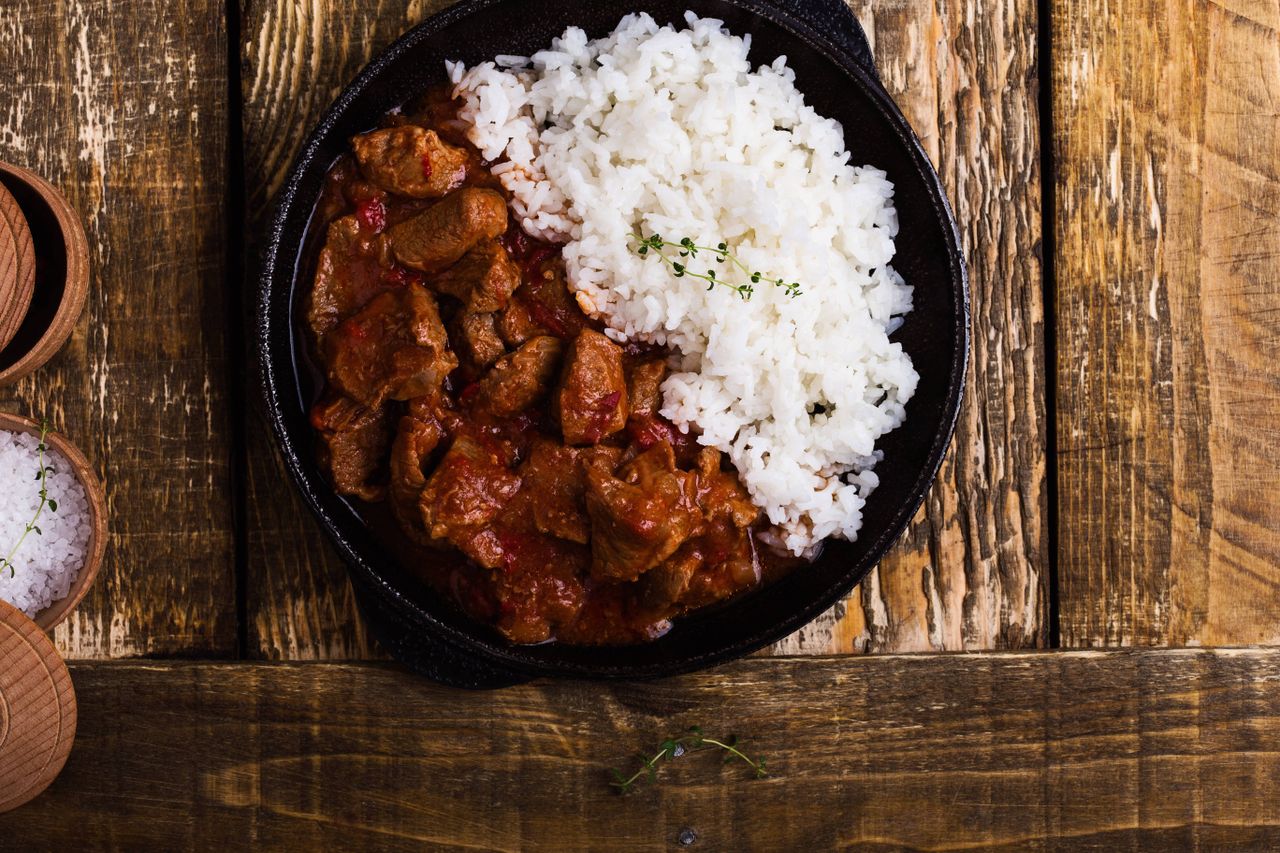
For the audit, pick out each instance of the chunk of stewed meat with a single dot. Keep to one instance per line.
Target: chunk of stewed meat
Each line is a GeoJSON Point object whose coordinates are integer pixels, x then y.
{"type": "Point", "coordinates": [543, 305]}
{"type": "Point", "coordinates": [476, 340]}
{"type": "Point", "coordinates": [719, 560]}
{"type": "Point", "coordinates": [708, 568]}
{"type": "Point", "coordinates": [644, 386]}
{"type": "Point", "coordinates": [720, 493]}
{"type": "Point", "coordinates": [395, 348]}
{"type": "Point", "coordinates": [519, 379]}
{"type": "Point", "coordinates": [593, 390]}
{"type": "Point", "coordinates": [416, 439]}
{"type": "Point", "coordinates": [664, 586]}
{"type": "Point", "coordinates": [353, 442]}
{"type": "Point", "coordinates": [439, 236]}
{"type": "Point", "coordinates": [515, 324]}
{"type": "Point", "coordinates": [355, 265]}
{"type": "Point", "coordinates": [557, 477]}
{"type": "Point", "coordinates": [483, 280]}
{"type": "Point", "coordinates": [640, 516]}
{"type": "Point", "coordinates": [410, 160]}
{"type": "Point", "coordinates": [464, 494]}
{"type": "Point", "coordinates": [534, 602]}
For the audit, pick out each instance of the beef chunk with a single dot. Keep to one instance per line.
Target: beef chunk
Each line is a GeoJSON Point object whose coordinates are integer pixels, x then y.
{"type": "Point", "coordinates": [556, 476]}
{"type": "Point", "coordinates": [519, 379]}
{"type": "Point", "coordinates": [720, 559]}
{"type": "Point", "coordinates": [475, 338]}
{"type": "Point", "coordinates": [533, 603]}
{"type": "Point", "coordinates": [593, 390]}
{"type": "Point", "coordinates": [353, 441]}
{"type": "Point", "coordinates": [515, 324]}
{"type": "Point", "coordinates": [410, 160]}
{"type": "Point", "coordinates": [644, 386]}
{"type": "Point", "coordinates": [543, 305]}
{"type": "Point", "coordinates": [704, 570]}
{"type": "Point", "coordinates": [663, 587]}
{"type": "Point", "coordinates": [394, 348]}
{"type": "Point", "coordinates": [483, 280]}
{"type": "Point", "coordinates": [720, 493]}
{"type": "Point", "coordinates": [416, 439]}
{"type": "Point", "coordinates": [354, 266]}
{"type": "Point", "coordinates": [439, 236]}
{"type": "Point", "coordinates": [464, 494]}
{"type": "Point", "coordinates": [641, 516]}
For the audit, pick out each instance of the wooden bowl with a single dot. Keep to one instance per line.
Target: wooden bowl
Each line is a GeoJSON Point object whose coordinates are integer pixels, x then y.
{"type": "Point", "coordinates": [17, 267]}
{"type": "Point", "coordinates": [61, 278]}
{"type": "Point", "coordinates": [55, 613]}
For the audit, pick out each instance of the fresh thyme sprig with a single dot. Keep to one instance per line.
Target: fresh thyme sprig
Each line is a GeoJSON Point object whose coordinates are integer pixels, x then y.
{"type": "Point", "coordinates": [42, 475]}
{"type": "Point", "coordinates": [675, 748]}
{"type": "Point", "coordinates": [688, 249]}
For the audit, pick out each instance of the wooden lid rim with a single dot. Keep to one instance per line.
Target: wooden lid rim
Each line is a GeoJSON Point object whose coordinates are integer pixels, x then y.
{"type": "Point", "coordinates": [75, 290]}
{"type": "Point", "coordinates": [39, 710]}
{"type": "Point", "coordinates": [15, 301]}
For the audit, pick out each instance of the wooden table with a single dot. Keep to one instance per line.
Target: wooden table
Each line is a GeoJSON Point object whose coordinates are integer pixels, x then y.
{"type": "Point", "coordinates": [1112, 487]}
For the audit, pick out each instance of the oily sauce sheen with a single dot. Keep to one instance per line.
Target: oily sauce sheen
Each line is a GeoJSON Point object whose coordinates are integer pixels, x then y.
{"type": "Point", "coordinates": [508, 452]}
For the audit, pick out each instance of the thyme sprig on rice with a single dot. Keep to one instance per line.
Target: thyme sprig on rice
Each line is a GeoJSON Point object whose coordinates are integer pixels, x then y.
{"type": "Point", "coordinates": [42, 476]}
{"type": "Point", "coordinates": [654, 244]}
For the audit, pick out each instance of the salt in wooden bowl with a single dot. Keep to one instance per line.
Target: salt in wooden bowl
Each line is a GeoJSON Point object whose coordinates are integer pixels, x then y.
{"type": "Point", "coordinates": [57, 612]}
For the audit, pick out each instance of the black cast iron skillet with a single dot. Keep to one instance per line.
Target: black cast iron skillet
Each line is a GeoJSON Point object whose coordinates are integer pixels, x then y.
{"type": "Point", "coordinates": [832, 61]}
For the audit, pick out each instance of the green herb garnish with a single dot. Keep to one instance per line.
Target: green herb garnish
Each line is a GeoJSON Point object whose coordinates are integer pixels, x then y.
{"type": "Point", "coordinates": [671, 748]}
{"type": "Point", "coordinates": [42, 476]}
{"type": "Point", "coordinates": [654, 245]}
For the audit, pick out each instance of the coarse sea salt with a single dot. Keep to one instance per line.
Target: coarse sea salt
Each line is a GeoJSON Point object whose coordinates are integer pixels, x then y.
{"type": "Point", "coordinates": [45, 566]}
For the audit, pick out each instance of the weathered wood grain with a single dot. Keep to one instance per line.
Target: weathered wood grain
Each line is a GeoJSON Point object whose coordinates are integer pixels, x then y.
{"type": "Point", "coordinates": [1168, 232]}
{"type": "Point", "coordinates": [972, 570]}
{"type": "Point", "coordinates": [1156, 750]}
{"type": "Point", "coordinates": [971, 573]}
{"type": "Point", "coordinates": [124, 109]}
{"type": "Point", "coordinates": [296, 59]}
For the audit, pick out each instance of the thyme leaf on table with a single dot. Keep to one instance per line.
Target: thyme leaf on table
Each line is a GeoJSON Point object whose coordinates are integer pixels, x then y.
{"type": "Point", "coordinates": [692, 741]}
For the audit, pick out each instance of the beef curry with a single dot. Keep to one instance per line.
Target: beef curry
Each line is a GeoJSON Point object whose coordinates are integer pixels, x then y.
{"type": "Point", "coordinates": [519, 449]}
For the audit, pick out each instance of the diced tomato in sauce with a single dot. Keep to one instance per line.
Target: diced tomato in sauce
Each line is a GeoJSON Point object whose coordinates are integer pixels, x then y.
{"type": "Point", "coordinates": [400, 276]}
{"type": "Point", "coordinates": [372, 214]}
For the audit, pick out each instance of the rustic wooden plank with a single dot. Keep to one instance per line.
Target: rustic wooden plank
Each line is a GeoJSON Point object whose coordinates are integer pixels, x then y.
{"type": "Point", "coordinates": [1156, 750]}
{"type": "Point", "coordinates": [296, 60]}
{"type": "Point", "coordinates": [1168, 231]}
{"type": "Point", "coordinates": [124, 110]}
{"type": "Point", "coordinates": [971, 572]}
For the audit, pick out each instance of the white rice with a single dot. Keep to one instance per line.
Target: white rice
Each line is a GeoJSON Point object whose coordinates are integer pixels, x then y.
{"type": "Point", "coordinates": [47, 563]}
{"type": "Point", "coordinates": [658, 130]}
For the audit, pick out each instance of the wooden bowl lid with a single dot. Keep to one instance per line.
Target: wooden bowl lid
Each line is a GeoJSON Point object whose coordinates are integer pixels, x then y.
{"type": "Point", "coordinates": [17, 267]}
{"type": "Point", "coordinates": [37, 710]}
{"type": "Point", "coordinates": [63, 275]}
{"type": "Point", "coordinates": [10, 269]}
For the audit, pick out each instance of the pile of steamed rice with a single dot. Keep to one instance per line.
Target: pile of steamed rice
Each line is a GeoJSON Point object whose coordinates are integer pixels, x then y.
{"type": "Point", "coordinates": [658, 130]}
{"type": "Point", "coordinates": [46, 564]}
